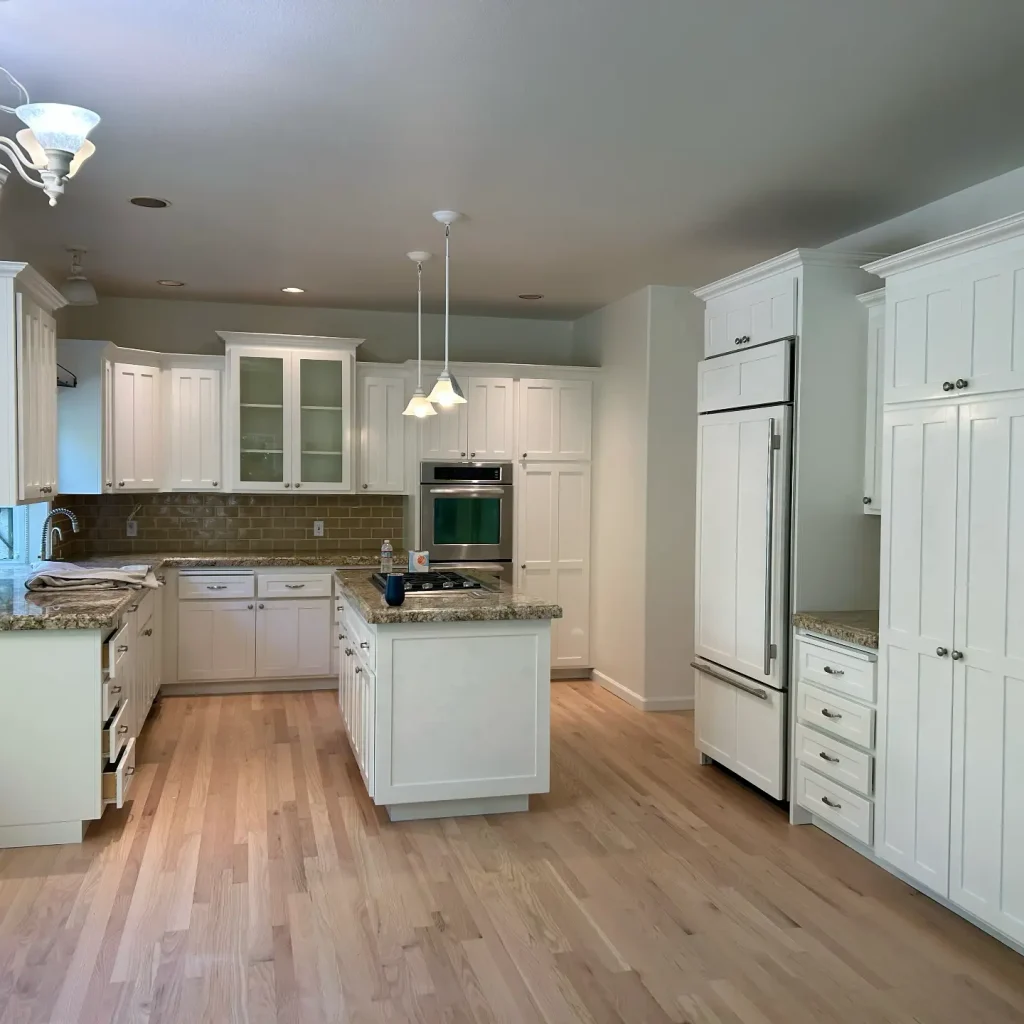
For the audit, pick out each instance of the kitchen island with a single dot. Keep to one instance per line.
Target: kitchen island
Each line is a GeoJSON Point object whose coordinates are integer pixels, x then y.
{"type": "Point", "coordinates": [446, 698]}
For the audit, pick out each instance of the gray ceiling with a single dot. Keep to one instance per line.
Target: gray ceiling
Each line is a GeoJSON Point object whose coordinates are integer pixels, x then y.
{"type": "Point", "coordinates": [594, 145]}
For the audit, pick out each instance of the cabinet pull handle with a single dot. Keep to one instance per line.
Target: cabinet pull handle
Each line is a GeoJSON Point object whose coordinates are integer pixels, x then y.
{"type": "Point", "coordinates": [834, 715]}
{"type": "Point", "coordinates": [365, 646]}
{"type": "Point", "coordinates": [828, 757]}
{"type": "Point", "coordinates": [358, 670]}
{"type": "Point", "coordinates": [947, 385]}
{"type": "Point", "coordinates": [130, 770]}
{"type": "Point", "coordinates": [122, 729]}
{"type": "Point", "coordinates": [960, 383]}
{"type": "Point", "coordinates": [830, 671]}
{"type": "Point", "coordinates": [115, 689]}
{"type": "Point", "coordinates": [122, 648]}
{"type": "Point", "coordinates": [147, 632]}
{"type": "Point", "coordinates": [942, 651]}
{"type": "Point", "coordinates": [349, 652]}
{"type": "Point", "coordinates": [831, 803]}
{"type": "Point", "coordinates": [957, 655]}
{"type": "Point", "coordinates": [295, 586]}
{"type": "Point", "coordinates": [133, 608]}
{"type": "Point", "coordinates": [110, 483]}
{"type": "Point", "coordinates": [216, 586]}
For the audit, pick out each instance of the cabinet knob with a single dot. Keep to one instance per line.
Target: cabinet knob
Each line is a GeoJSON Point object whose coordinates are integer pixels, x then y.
{"type": "Point", "coordinates": [110, 483]}
{"type": "Point", "coordinates": [216, 483]}
{"type": "Point", "coordinates": [957, 655]}
{"type": "Point", "coordinates": [867, 500]}
{"type": "Point", "coordinates": [463, 454]}
{"type": "Point", "coordinates": [298, 485]}
{"type": "Point", "coordinates": [262, 605]}
{"type": "Point", "coordinates": [365, 646]}
{"type": "Point", "coordinates": [147, 632]}
{"type": "Point", "coordinates": [737, 341]}
{"type": "Point", "coordinates": [947, 385]}
{"type": "Point", "coordinates": [365, 486]}
{"type": "Point", "coordinates": [472, 455]}
{"type": "Point", "coordinates": [960, 383]}
{"type": "Point", "coordinates": [249, 606]}
{"type": "Point", "coordinates": [287, 485]}
{"type": "Point", "coordinates": [524, 455]}
{"type": "Point", "coordinates": [523, 566]}
{"type": "Point", "coordinates": [120, 483]}
{"type": "Point", "coordinates": [942, 651]}
{"type": "Point", "coordinates": [358, 670]}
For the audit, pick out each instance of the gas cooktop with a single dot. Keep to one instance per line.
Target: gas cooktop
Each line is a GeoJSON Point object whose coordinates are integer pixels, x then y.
{"type": "Point", "coordinates": [431, 582]}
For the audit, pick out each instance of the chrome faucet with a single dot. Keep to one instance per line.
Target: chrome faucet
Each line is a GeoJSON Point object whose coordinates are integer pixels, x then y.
{"type": "Point", "coordinates": [46, 547]}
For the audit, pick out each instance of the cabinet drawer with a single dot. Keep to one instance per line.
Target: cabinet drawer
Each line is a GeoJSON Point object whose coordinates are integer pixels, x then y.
{"type": "Point", "coordinates": [835, 759]}
{"type": "Point", "coordinates": [362, 639]}
{"type": "Point", "coordinates": [297, 585]}
{"type": "Point", "coordinates": [848, 812]}
{"type": "Point", "coordinates": [117, 779]}
{"type": "Point", "coordinates": [214, 586]}
{"type": "Point", "coordinates": [835, 715]}
{"type": "Point", "coordinates": [116, 651]}
{"type": "Point", "coordinates": [837, 668]}
{"type": "Point", "coordinates": [114, 734]}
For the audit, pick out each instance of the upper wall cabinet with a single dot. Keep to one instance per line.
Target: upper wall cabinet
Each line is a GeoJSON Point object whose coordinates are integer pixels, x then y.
{"type": "Point", "coordinates": [381, 433]}
{"type": "Point", "coordinates": [555, 419]}
{"type": "Point", "coordinates": [28, 385]}
{"type": "Point", "coordinates": [875, 306]}
{"type": "Point", "coordinates": [481, 429]}
{"type": "Point", "coordinates": [194, 429]}
{"type": "Point", "coordinates": [290, 404]}
{"type": "Point", "coordinates": [954, 314]}
{"type": "Point", "coordinates": [742, 314]}
{"type": "Point", "coordinates": [138, 450]}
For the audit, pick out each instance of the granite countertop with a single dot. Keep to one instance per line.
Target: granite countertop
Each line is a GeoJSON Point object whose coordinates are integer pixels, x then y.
{"type": "Point", "coordinates": [500, 600]}
{"type": "Point", "coordinates": [101, 609]}
{"type": "Point", "coordinates": [858, 627]}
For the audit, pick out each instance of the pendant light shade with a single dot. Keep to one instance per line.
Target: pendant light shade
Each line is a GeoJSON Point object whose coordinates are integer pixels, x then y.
{"type": "Point", "coordinates": [446, 392]}
{"type": "Point", "coordinates": [418, 405]}
{"type": "Point", "coordinates": [77, 288]}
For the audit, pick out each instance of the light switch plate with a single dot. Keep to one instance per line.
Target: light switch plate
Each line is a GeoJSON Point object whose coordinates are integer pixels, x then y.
{"type": "Point", "coordinates": [133, 528]}
{"type": "Point", "coordinates": [318, 527]}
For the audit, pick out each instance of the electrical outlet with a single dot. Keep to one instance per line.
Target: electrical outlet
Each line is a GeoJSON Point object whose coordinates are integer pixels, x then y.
{"type": "Point", "coordinates": [133, 528]}
{"type": "Point", "coordinates": [318, 527]}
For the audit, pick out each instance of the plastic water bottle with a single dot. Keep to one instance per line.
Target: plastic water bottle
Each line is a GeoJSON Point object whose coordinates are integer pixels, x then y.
{"type": "Point", "coordinates": [387, 558]}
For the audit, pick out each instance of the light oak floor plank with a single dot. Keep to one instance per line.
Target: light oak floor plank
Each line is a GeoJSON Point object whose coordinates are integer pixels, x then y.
{"type": "Point", "coordinates": [251, 879]}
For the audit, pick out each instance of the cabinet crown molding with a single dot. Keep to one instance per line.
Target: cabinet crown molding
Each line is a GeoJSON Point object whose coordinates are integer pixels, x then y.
{"type": "Point", "coordinates": [289, 340]}
{"type": "Point", "coordinates": [952, 245]}
{"type": "Point", "coordinates": [872, 298]}
{"type": "Point", "coordinates": [34, 283]}
{"type": "Point", "coordinates": [787, 261]}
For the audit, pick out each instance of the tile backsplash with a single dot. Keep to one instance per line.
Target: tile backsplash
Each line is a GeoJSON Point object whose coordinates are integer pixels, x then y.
{"type": "Point", "coordinates": [203, 522]}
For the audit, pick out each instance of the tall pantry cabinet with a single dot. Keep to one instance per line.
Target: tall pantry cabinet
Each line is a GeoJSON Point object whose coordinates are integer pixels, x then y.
{"type": "Point", "coordinates": [950, 767]}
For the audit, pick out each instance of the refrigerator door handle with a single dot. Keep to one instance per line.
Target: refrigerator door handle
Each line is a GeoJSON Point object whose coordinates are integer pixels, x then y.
{"type": "Point", "coordinates": [707, 670]}
{"type": "Point", "coordinates": [769, 511]}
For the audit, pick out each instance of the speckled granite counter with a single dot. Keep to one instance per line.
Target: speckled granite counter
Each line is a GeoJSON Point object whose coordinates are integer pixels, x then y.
{"type": "Point", "coordinates": [858, 627]}
{"type": "Point", "coordinates": [101, 609]}
{"type": "Point", "coordinates": [498, 601]}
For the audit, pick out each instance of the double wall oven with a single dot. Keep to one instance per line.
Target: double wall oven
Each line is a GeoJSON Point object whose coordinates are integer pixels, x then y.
{"type": "Point", "coordinates": [466, 515]}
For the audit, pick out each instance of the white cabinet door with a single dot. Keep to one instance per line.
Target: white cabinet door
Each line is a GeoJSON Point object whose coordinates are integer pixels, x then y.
{"type": "Point", "coordinates": [874, 407]}
{"type": "Point", "coordinates": [986, 875]}
{"type": "Point", "coordinates": [444, 436]}
{"type": "Point", "coordinates": [916, 625]}
{"type": "Point", "coordinates": [752, 315]}
{"type": "Point", "coordinates": [554, 419]}
{"type": "Point", "coordinates": [381, 434]}
{"type": "Point", "coordinates": [260, 410]}
{"type": "Point", "coordinates": [553, 543]}
{"type": "Point", "coordinates": [293, 638]}
{"type": "Point", "coordinates": [194, 426]}
{"type": "Point", "coordinates": [742, 502]}
{"type": "Point", "coordinates": [137, 434]}
{"type": "Point", "coordinates": [960, 329]}
{"type": "Point", "coordinates": [321, 409]}
{"type": "Point", "coordinates": [216, 640]}
{"type": "Point", "coordinates": [490, 417]}
{"type": "Point", "coordinates": [37, 400]}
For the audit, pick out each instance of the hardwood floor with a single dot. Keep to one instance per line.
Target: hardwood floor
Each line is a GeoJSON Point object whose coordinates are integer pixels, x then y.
{"type": "Point", "coordinates": [251, 879]}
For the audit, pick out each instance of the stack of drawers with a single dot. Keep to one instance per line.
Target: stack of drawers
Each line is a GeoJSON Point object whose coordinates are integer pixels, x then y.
{"type": "Point", "coordinates": [836, 691]}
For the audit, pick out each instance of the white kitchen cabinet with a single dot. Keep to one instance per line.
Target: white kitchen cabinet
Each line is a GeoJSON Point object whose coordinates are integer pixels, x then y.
{"type": "Point", "coordinates": [739, 316]}
{"type": "Point", "coordinates": [916, 637]}
{"type": "Point", "coordinates": [216, 640]}
{"type": "Point", "coordinates": [986, 875]}
{"type": "Point", "coordinates": [194, 429]}
{"type": "Point", "coordinates": [293, 638]}
{"type": "Point", "coordinates": [875, 307]}
{"type": "Point", "coordinates": [955, 314]}
{"type": "Point", "coordinates": [483, 428]}
{"type": "Point", "coordinates": [28, 385]}
{"type": "Point", "coordinates": [555, 420]}
{"type": "Point", "coordinates": [290, 401]}
{"type": "Point", "coordinates": [138, 449]}
{"type": "Point", "coordinates": [553, 545]}
{"type": "Point", "coordinates": [381, 433]}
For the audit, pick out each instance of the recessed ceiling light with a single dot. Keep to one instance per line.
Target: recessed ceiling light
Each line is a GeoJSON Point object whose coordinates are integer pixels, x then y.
{"type": "Point", "coordinates": [171, 284]}
{"type": "Point", "coordinates": [149, 202]}
{"type": "Point", "coordinates": [292, 290]}
{"type": "Point", "coordinates": [531, 296]}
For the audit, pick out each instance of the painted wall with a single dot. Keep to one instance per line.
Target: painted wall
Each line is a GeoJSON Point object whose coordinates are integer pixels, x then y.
{"type": "Point", "coordinates": [168, 325]}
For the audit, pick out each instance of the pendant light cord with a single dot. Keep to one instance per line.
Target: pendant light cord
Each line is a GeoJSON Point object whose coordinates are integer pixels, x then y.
{"type": "Point", "coordinates": [419, 326]}
{"type": "Point", "coordinates": [447, 232]}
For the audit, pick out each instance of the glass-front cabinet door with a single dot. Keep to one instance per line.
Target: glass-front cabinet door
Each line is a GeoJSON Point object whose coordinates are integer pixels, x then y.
{"type": "Point", "coordinates": [322, 419]}
{"type": "Point", "coordinates": [264, 426]}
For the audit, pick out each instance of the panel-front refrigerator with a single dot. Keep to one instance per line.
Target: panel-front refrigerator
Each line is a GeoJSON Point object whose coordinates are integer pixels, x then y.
{"type": "Point", "coordinates": [744, 444]}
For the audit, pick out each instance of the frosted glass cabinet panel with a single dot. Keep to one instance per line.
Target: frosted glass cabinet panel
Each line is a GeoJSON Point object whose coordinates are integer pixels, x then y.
{"type": "Point", "coordinates": [322, 422]}
{"type": "Point", "coordinates": [262, 437]}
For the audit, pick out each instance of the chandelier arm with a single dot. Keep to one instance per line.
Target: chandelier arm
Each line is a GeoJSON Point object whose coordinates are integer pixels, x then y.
{"type": "Point", "coordinates": [20, 163]}
{"type": "Point", "coordinates": [17, 85]}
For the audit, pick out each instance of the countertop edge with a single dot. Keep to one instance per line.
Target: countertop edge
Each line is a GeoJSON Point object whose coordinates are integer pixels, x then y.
{"type": "Point", "coordinates": [838, 625]}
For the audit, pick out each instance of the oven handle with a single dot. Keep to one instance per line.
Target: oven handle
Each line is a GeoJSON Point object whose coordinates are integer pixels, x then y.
{"type": "Point", "coordinates": [470, 490]}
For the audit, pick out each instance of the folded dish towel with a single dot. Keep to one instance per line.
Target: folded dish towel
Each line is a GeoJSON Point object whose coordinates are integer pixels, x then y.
{"type": "Point", "coordinates": [66, 576]}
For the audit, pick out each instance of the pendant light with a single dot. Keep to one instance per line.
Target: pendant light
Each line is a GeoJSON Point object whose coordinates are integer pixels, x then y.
{"type": "Point", "coordinates": [418, 405]}
{"type": "Point", "coordinates": [77, 288]}
{"type": "Point", "coordinates": [446, 392]}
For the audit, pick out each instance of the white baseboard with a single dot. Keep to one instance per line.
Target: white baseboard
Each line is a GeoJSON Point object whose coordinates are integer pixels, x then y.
{"type": "Point", "coordinates": [680, 703]}
{"type": "Point", "coordinates": [218, 688]}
